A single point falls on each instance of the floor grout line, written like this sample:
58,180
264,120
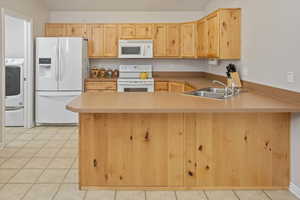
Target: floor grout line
267,194
237,196
205,194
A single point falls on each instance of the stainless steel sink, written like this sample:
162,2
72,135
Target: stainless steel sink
215,93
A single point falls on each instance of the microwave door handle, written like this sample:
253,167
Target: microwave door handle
144,51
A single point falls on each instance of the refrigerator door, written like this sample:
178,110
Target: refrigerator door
71,64
51,108
47,52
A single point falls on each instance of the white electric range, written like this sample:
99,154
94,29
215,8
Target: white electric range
129,78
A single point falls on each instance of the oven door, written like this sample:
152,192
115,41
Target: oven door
135,88
129,50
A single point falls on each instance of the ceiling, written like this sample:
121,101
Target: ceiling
126,5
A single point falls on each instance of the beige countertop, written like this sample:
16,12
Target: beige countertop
165,102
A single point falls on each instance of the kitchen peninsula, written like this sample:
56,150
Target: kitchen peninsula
168,140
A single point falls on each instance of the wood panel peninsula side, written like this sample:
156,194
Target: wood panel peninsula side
173,141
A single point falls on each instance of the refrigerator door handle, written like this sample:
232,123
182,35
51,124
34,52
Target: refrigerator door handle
57,61
60,60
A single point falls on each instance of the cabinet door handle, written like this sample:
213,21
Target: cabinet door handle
95,163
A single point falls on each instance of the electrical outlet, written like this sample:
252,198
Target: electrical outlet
245,72
290,77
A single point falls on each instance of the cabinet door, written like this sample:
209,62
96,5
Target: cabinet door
127,31
110,40
76,30
173,40
188,40
55,30
160,40
161,86
202,39
230,37
95,40
213,35
176,87
143,31
188,88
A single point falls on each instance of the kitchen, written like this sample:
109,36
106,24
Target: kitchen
179,135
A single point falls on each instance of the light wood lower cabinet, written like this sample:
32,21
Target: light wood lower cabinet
176,87
160,86
171,86
184,151
100,86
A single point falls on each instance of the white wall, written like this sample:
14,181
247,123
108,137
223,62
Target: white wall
270,49
30,8
123,17
270,41
14,37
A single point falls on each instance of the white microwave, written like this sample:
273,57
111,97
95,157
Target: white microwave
135,48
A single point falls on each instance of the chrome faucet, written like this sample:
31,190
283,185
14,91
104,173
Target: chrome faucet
226,89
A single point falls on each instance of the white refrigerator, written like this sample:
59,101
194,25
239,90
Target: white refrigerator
61,65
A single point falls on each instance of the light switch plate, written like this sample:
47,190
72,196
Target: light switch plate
290,77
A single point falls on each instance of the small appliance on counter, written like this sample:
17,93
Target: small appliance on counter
135,78
233,77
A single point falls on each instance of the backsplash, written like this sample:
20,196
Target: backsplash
179,65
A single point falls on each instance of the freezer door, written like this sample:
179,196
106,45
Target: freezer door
51,108
47,52
71,67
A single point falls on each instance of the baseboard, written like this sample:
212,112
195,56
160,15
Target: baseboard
295,190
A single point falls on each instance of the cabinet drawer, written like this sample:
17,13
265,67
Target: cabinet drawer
101,86
161,85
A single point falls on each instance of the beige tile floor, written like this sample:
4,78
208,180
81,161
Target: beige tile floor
42,164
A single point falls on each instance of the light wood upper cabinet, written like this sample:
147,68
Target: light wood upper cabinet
126,31
160,33
216,36
173,40
76,30
95,33
166,40
103,40
189,40
110,40
55,30
230,33
213,35
202,38
136,31
224,34
144,31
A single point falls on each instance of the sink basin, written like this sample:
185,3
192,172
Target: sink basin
215,93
